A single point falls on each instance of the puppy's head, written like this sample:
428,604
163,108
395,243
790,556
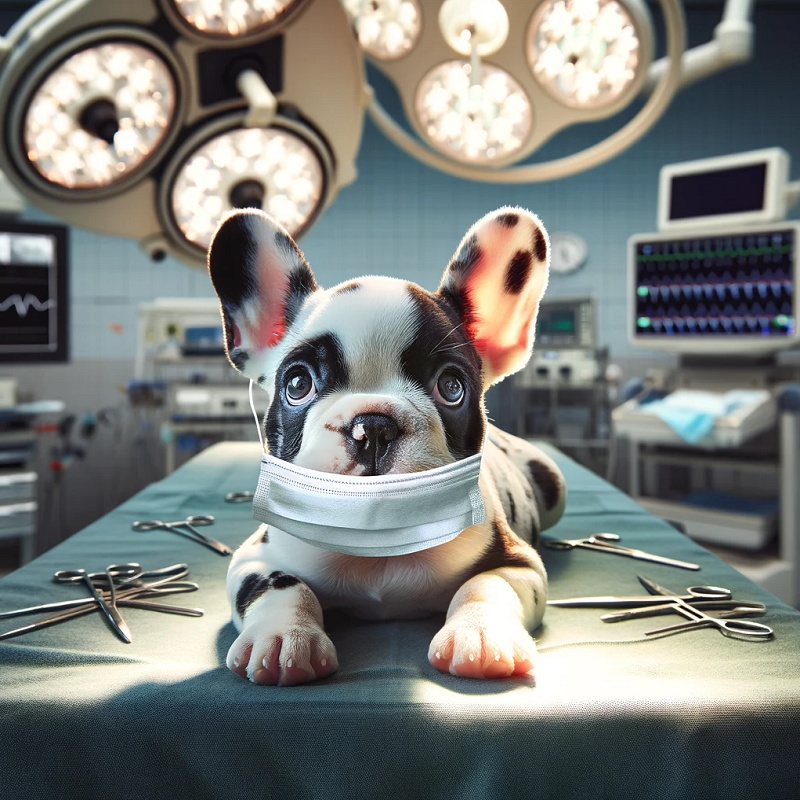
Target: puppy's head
377,375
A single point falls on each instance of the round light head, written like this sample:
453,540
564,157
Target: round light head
99,115
478,121
231,18
386,29
273,168
585,53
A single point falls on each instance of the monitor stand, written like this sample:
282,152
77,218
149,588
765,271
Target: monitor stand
721,373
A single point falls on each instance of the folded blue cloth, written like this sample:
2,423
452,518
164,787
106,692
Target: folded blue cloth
692,414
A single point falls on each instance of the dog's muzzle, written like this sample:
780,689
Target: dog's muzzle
381,515
369,515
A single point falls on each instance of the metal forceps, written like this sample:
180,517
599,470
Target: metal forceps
607,543
189,524
138,584
145,584
109,609
699,619
690,607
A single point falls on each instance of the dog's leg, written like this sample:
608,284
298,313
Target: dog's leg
281,639
527,467
486,632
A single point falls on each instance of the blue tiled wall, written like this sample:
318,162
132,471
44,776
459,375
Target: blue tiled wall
401,218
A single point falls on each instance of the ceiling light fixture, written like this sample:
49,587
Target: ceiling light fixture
584,52
475,113
152,119
386,29
283,169
232,18
574,61
96,114
89,125
152,128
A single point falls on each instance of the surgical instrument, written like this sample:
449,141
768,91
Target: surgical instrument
165,584
662,601
239,497
697,619
110,610
188,523
606,543
703,597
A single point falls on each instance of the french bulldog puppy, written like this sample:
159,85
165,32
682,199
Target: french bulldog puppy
379,376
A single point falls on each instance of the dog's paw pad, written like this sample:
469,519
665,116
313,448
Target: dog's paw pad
297,655
482,646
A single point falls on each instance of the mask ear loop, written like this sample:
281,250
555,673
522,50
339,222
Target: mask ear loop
255,416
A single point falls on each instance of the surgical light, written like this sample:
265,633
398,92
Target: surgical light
584,52
230,18
113,113
386,29
99,115
275,168
477,118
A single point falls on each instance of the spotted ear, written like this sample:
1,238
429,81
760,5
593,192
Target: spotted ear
261,279
495,281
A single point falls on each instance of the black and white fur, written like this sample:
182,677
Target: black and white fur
379,376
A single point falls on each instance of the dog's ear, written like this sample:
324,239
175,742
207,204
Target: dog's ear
261,279
495,281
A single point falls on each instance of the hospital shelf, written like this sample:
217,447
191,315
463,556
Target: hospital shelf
714,526
18,488
774,563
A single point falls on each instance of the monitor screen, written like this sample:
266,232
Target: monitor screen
555,325
734,190
33,292
721,286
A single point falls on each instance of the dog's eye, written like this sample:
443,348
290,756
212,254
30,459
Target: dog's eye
449,389
300,388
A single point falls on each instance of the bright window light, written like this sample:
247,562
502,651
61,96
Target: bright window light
584,52
475,121
268,168
99,115
386,29
231,17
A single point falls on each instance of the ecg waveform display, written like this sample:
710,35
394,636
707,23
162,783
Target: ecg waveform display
32,293
725,286
23,305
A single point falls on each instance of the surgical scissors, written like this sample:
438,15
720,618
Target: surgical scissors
694,594
662,601
606,543
135,577
658,601
110,610
166,583
188,523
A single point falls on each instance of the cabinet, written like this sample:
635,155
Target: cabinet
747,454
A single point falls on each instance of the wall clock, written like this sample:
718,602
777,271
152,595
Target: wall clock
568,252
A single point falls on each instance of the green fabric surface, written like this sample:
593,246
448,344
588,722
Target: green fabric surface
609,715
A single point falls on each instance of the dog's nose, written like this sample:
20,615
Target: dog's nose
373,435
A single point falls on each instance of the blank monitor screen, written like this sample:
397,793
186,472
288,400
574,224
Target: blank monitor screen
726,191
730,286
33,292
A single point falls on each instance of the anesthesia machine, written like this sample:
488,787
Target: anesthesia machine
714,445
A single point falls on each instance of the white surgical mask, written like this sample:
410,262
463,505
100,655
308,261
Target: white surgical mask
374,515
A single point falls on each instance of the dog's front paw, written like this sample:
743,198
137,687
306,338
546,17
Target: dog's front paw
481,642
299,654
